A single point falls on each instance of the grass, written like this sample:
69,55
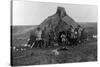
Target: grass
80,53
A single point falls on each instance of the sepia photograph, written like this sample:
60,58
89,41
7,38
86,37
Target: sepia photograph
53,33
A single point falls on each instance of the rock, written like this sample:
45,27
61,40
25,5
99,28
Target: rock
55,51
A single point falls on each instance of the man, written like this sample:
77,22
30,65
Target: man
32,39
76,36
71,32
70,35
79,31
84,35
39,41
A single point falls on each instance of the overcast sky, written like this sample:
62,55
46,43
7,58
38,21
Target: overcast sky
34,13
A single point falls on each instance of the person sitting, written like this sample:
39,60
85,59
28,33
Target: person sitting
63,38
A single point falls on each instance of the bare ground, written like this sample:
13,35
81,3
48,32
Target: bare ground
80,53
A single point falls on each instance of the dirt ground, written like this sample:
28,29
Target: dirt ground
36,56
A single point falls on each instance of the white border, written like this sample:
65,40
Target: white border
5,33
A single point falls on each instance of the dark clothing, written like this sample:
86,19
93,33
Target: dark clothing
39,43
32,39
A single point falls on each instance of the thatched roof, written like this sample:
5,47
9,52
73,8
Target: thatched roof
58,21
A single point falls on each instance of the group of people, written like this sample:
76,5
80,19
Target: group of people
72,36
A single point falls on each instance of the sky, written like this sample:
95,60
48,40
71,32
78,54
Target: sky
34,13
